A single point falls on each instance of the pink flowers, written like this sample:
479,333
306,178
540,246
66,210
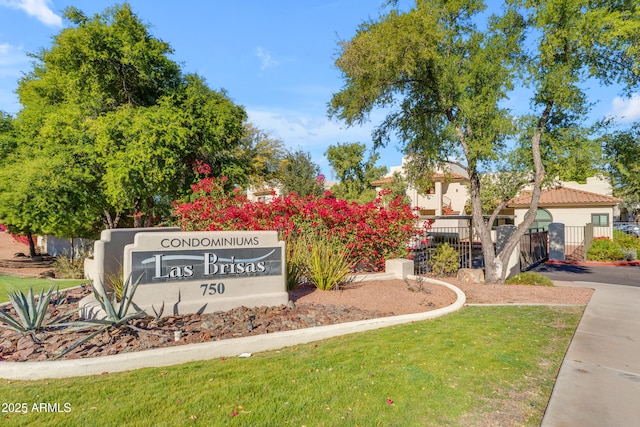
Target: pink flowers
374,231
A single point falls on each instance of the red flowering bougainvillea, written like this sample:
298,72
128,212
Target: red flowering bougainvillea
374,231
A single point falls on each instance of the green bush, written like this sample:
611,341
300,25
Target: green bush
627,242
445,262
605,249
67,267
529,278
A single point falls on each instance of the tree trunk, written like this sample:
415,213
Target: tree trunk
109,221
137,214
498,270
72,249
32,246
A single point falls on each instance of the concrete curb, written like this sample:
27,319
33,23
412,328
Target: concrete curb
211,350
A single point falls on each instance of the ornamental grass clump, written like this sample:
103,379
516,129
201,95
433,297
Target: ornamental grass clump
296,262
328,264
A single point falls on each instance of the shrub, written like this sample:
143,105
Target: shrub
70,268
604,249
529,278
296,262
445,262
626,241
328,264
116,313
373,231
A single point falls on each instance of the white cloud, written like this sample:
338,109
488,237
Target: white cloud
296,129
626,109
36,8
266,60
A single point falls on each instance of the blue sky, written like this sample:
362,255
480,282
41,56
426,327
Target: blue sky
275,58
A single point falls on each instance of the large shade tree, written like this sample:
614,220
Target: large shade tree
623,152
111,105
444,70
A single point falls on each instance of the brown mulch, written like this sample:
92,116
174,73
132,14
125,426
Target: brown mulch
147,333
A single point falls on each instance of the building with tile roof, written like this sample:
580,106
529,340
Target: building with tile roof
447,196
570,206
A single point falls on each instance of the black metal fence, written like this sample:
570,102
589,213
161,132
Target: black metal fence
534,248
460,238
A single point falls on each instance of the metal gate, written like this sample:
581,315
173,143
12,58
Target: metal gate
534,248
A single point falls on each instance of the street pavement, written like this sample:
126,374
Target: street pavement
599,381
615,275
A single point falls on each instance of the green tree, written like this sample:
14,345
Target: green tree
623,152
8,139
570,150
300,174
260,156
397,187
444,69
353,171
132,127
147,153
44,194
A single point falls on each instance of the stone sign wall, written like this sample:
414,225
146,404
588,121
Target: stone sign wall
203,272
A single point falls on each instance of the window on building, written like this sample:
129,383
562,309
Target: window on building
543,219
600,220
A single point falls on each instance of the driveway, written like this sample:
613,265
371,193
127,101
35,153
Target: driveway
616,275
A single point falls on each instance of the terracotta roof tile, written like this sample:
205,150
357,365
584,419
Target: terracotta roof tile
563,196
264,192
436,177
382,181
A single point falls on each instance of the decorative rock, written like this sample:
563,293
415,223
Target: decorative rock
47,274
471,275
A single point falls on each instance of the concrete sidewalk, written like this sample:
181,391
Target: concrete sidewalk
599,380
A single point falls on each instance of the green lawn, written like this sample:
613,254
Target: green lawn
479,366
10,283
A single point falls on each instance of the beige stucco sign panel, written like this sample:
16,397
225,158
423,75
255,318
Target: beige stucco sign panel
203,272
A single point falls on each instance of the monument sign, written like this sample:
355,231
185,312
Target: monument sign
203,272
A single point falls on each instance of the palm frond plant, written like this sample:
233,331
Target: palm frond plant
31,313
116,312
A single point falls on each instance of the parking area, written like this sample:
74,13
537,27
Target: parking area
628,275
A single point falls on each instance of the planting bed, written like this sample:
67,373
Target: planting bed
356,301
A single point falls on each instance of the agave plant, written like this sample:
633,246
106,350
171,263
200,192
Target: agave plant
31,312
116,313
